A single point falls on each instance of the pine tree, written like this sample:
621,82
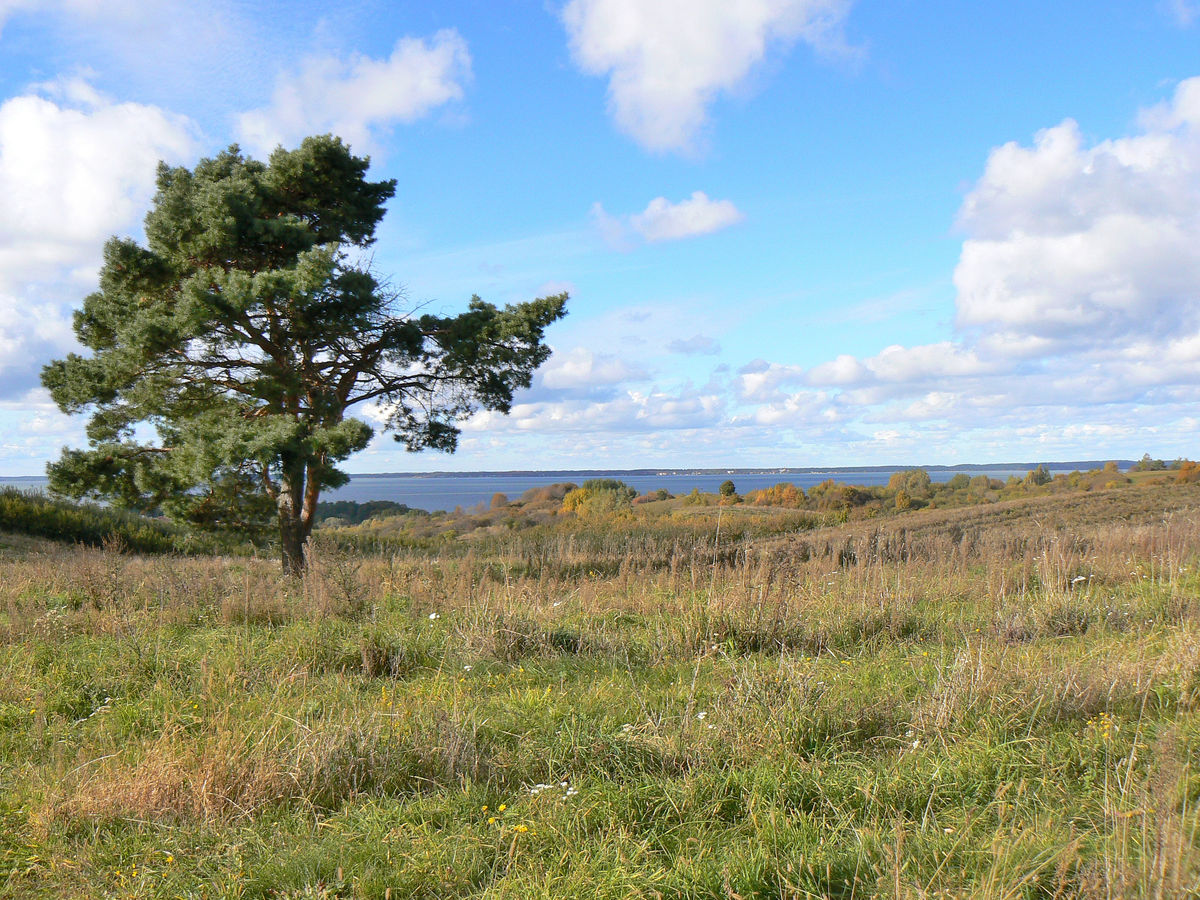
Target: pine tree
227,352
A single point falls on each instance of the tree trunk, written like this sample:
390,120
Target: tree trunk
291,543
292,530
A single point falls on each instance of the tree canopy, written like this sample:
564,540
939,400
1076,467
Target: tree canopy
228,350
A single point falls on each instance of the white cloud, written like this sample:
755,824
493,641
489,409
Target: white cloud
761,381
580,368
663,220
800,409
72,173
1079,246
1078,303
353,97
630,412
845,370
897,364
668,60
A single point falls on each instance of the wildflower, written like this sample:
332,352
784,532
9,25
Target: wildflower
701,714
467,668
433,616
491,820
503,807
483,808
522,828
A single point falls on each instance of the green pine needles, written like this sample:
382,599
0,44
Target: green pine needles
227,353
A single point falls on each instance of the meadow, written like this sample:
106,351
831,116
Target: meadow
995,699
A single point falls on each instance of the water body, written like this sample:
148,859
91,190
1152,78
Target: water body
448,490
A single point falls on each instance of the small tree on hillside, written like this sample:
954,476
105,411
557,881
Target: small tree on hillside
247,329
1038,477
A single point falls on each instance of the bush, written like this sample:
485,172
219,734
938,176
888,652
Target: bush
37,515
354,513
783,494
599,496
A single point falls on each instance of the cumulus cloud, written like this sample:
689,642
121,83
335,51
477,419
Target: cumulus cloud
761,381
631,411
901,365
353,97
75,167
1078,301
663,220
800,409
1080,262
1075,245
581,368
667,61
33,430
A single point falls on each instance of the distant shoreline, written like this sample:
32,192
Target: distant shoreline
1081,465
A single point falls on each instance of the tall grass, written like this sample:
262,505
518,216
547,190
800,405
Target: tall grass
985,702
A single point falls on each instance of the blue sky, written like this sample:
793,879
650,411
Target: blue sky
795,232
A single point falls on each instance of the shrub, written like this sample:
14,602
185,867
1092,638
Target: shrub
84,523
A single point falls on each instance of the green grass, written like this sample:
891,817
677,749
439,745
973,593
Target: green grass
814,715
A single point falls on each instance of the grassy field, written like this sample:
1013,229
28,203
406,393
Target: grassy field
992,701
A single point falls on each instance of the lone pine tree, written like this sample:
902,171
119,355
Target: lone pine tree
227,352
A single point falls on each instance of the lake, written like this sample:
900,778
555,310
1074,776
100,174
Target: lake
447,490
